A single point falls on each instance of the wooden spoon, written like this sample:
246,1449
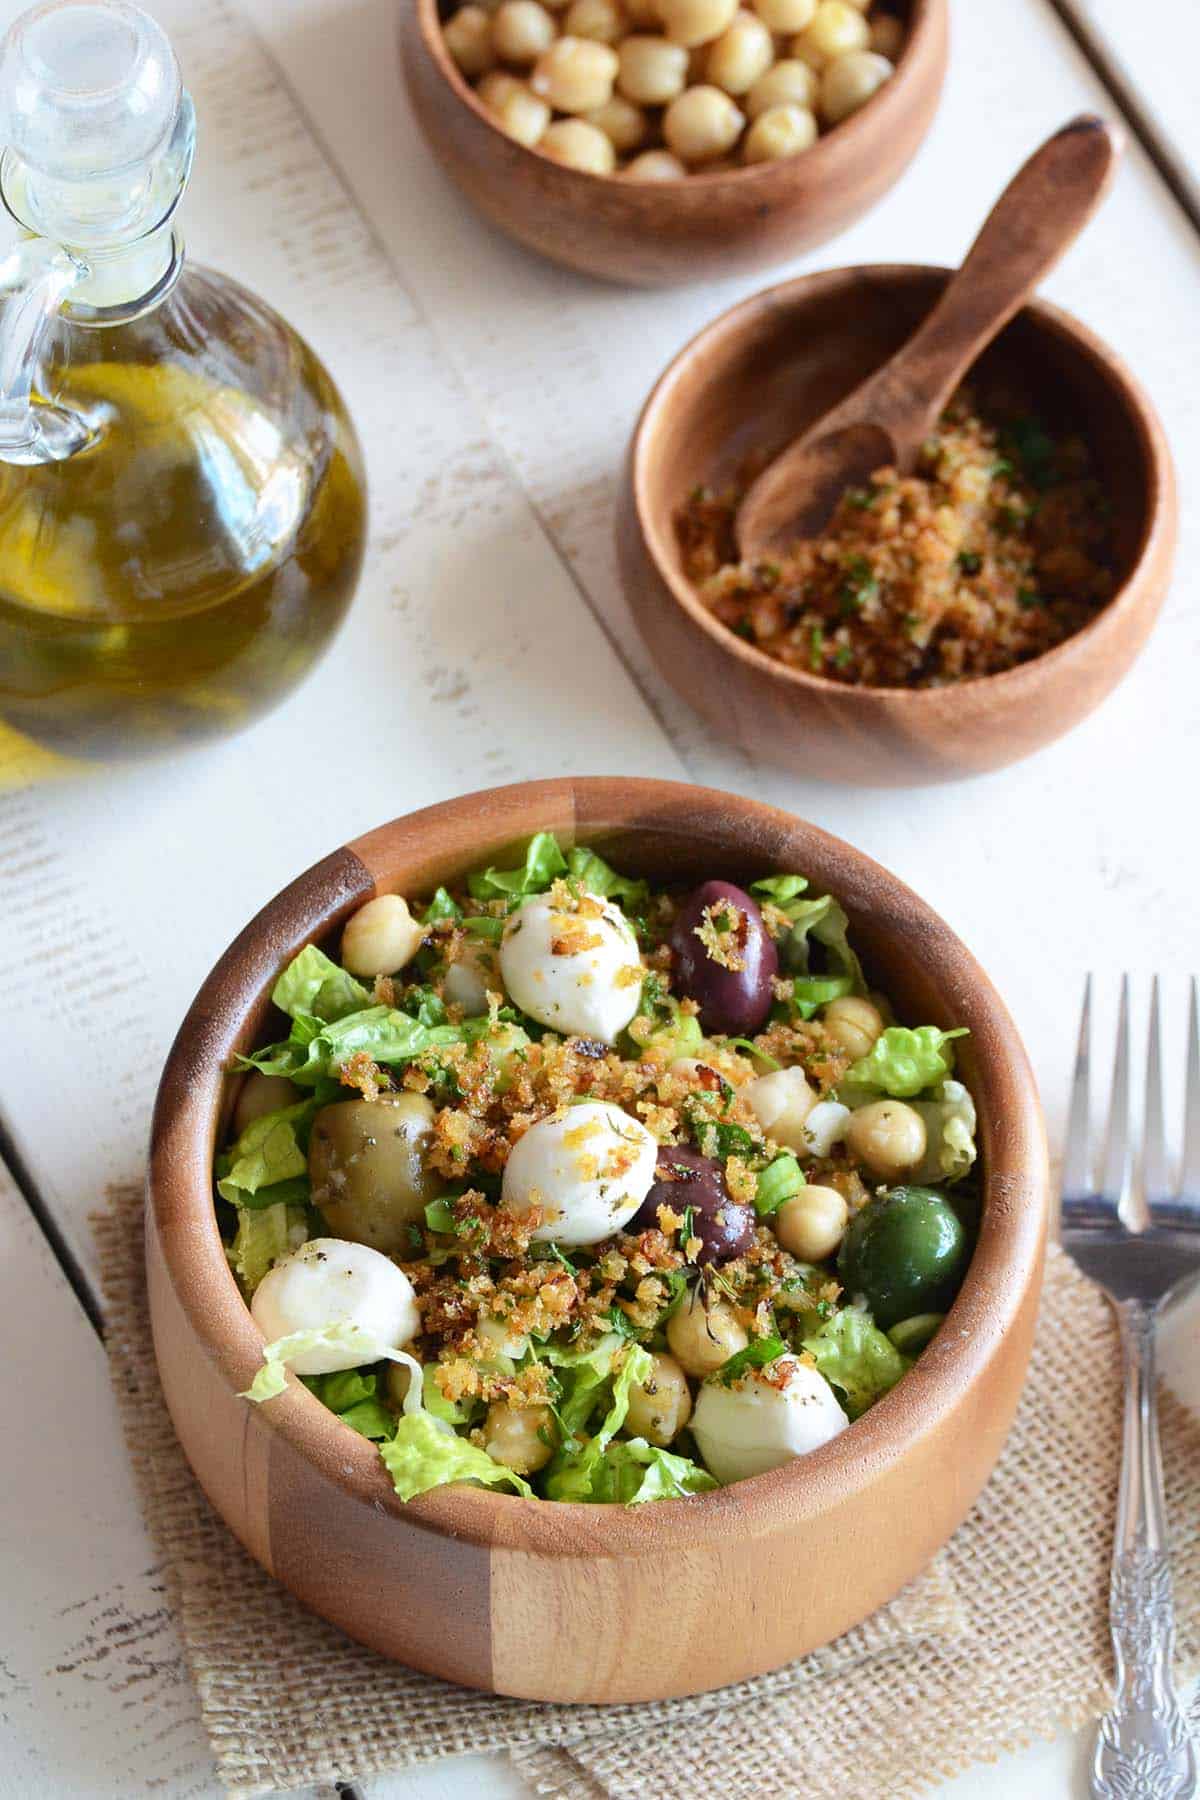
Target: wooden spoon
887,418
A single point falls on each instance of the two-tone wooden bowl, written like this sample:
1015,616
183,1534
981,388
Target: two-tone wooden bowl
664,233
751,381
572,1602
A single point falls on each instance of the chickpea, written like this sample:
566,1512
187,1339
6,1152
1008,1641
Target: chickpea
853,1024
579,146
602,20
741,54
520,1437
524,118
469,40
259,1095
655,165
887,1138
789,83
522,30
812,1223
702,1339
850,81
694,22
623,124
887,36
380,937
575,76
367,1166
642,14
494,89
782,1100
836,29
701,124
660,1406
780,131
785,15
651,72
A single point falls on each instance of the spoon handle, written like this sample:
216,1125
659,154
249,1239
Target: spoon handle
1040,213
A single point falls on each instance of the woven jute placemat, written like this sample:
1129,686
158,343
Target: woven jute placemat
1005,1636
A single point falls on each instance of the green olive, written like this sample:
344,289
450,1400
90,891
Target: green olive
906,1252
367,1161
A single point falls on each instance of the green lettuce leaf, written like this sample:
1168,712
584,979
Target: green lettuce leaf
632,1472
451,1412
598,877
823,922
353,1395
855,1357
264,1234
313,984
426,1454
781,1180
573,1471
316,1051
901,1063
441,907
269,1164
780,890
271,1379
544,863
949,1134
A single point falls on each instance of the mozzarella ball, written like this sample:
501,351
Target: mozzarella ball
836,29
853,1024
850,81
825,1126
765,1419
623,124
651,71
703,1339
789,83
381,937
660,1406
655,165
588,1168
812,1223
469,40
701,124
522,30
575,75
602,20
887,1138
694,22
473,973
785,15
259,1095
887,36
578,972
517,110
782,1102
520,1437
743,52
781,131
331,1282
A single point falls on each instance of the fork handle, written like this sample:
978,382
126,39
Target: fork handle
1144,1746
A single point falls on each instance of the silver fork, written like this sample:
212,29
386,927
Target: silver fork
1139,1239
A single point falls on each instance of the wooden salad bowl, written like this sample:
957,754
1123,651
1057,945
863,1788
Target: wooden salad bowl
574,1602
663,234
751,381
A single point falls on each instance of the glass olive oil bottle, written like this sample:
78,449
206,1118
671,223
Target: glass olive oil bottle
182,506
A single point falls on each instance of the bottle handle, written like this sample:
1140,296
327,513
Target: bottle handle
36,276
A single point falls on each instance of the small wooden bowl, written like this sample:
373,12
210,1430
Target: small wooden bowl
751,381
663,234
595,1603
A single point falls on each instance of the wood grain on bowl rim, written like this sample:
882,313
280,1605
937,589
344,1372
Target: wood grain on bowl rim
703,225
575,1602
876,735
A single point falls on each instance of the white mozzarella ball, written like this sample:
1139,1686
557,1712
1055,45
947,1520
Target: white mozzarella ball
765,1419
587,1167
330,1281
782,1102
573,971
825,1126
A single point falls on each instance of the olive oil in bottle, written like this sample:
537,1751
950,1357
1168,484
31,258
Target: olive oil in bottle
182,508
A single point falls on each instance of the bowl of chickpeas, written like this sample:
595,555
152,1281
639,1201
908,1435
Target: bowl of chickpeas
655,142
438,1568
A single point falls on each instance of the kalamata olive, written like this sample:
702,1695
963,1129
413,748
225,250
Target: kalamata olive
723,958
685,1178
906,1252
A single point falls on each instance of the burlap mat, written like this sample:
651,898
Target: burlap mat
1004,1638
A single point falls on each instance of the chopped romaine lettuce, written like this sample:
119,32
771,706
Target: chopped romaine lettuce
441,907
270,1151
544,863
855,1357
313,984
573,1470
758,1354
453,1412
949,1134
264,1234
632,1472
823,921
426,1454
353,1395
780,890
594,874
781,1180
271,1379
901,1063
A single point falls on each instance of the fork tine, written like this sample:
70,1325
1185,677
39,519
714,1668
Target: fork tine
1189,1176
1156,1178
1077,1161
1114,1179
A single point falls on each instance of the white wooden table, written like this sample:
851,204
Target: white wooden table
490,642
